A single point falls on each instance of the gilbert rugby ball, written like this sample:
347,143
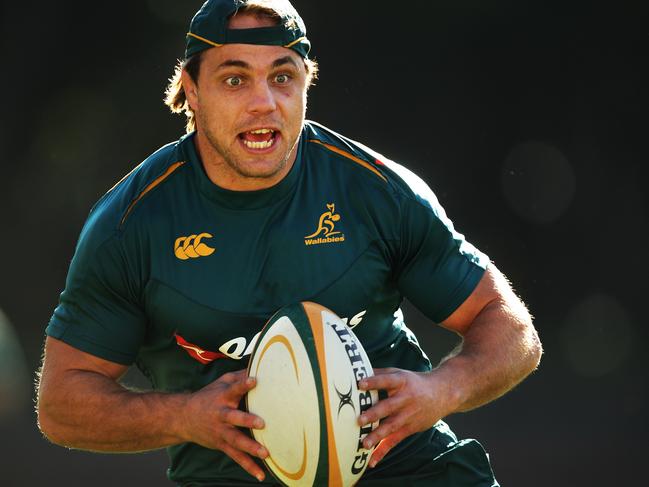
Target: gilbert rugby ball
307,363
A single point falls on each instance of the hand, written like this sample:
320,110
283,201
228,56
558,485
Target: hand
212,417
411,407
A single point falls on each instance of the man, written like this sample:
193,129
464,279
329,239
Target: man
180,264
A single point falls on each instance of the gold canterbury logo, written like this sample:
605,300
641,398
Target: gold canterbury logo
326,231
191,247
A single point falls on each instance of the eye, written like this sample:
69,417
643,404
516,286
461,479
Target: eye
233,81
282,78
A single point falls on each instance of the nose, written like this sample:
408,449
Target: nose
262,99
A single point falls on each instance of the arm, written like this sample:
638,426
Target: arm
81,405
500,348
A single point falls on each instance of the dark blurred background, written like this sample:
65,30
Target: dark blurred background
527,118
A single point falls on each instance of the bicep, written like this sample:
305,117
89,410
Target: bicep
100,310
70,382
493,287
437,268
60,358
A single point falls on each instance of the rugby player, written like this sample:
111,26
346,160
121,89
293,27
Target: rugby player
180,264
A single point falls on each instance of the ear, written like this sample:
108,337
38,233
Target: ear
191,90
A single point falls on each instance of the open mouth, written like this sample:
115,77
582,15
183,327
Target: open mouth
258,139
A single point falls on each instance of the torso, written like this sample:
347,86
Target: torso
199,269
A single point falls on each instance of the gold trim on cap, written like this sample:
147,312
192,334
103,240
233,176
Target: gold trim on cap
296,41
207,41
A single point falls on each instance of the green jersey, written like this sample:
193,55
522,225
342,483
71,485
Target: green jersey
178,275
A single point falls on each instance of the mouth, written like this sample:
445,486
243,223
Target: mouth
261,139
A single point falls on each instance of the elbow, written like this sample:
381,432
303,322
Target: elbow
525,336
45,423
46,428
534,348
46,418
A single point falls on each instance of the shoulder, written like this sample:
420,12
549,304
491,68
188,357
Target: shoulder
356,158
108,217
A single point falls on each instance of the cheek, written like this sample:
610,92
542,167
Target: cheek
295,103
210,106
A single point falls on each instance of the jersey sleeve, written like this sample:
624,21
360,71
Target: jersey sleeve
438,268
99,311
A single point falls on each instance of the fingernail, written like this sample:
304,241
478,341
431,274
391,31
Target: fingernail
260,478
362,420
262,452
373,463
362,384
259,424
368,444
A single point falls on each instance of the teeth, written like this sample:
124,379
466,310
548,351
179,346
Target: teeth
258,145
261,131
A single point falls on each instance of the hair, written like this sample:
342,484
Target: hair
175,97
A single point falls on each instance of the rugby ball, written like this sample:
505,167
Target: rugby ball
307,363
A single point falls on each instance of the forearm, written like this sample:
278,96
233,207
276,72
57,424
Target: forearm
81,405
498,351
92,412
500,348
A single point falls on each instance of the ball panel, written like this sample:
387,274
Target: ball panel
314,315
286,394
348,364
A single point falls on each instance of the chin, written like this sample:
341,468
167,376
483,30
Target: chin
260,172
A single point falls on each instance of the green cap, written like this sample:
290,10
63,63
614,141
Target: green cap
209,29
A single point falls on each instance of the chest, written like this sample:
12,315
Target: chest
216,276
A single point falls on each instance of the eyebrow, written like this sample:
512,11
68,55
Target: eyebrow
284,60
242,64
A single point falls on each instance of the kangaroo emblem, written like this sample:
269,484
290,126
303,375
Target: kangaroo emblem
326,224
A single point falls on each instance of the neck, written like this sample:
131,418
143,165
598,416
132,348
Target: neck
221,173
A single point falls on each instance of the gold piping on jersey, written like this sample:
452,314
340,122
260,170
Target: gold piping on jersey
152,185
121,180
357,160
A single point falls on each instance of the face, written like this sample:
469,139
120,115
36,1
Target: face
250,104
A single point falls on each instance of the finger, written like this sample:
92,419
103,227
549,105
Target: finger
385,370
233,377
244,460
385,429
237,389
385,446
387,381
237,417
382,409
236,439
